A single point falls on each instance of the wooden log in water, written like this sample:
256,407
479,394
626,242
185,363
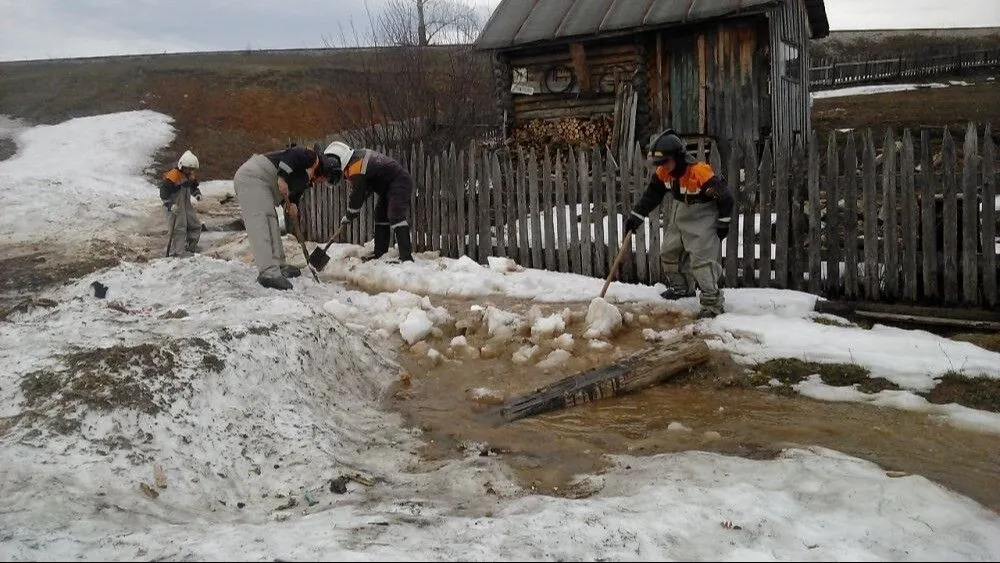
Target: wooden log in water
627,375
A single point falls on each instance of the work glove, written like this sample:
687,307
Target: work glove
722,228
350,217
633,222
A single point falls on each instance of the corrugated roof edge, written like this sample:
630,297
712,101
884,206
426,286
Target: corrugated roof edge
507,46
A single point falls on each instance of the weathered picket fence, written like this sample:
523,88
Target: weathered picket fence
911,220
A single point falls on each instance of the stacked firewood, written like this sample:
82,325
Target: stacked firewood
576,132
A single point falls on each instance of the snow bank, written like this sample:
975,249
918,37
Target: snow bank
242,395
51,188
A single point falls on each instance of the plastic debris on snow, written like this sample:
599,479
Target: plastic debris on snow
603,319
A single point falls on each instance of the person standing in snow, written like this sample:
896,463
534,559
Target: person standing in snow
262,184
177,188
369,172
691,253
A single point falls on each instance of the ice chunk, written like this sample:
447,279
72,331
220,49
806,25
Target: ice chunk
416,327
500,322
459,341
500,264
603,319
677,427
547,326
465,264
564,341
525,354
599,344
555,358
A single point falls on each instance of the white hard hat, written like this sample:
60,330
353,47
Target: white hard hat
340,150
188,160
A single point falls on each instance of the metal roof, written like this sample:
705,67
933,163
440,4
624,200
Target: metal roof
517,23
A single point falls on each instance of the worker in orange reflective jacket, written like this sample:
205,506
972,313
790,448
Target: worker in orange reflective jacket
369,172
178,186
691,253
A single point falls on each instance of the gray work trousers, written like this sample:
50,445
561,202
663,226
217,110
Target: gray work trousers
255,183
691,253
186,227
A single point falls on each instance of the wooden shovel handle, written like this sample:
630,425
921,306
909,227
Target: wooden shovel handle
616,263
335,236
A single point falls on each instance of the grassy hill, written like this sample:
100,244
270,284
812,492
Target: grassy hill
226,105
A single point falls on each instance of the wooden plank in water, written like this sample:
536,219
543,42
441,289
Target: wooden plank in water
627,375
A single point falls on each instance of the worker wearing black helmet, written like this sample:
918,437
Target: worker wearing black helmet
691,253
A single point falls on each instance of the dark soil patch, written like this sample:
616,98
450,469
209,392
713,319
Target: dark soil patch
8,148
986,340
790,371
106,378
980,393
143,378
38,270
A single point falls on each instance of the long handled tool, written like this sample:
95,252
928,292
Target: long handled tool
302,243
616,263
319,258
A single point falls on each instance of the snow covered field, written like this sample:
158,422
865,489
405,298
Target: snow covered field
246,403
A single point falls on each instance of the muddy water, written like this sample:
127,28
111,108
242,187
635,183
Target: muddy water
455,402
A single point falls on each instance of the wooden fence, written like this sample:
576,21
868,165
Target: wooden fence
830,74
908,219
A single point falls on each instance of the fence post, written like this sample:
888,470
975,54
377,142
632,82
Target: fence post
970,217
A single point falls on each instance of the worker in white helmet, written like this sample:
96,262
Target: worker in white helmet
371,172
179,185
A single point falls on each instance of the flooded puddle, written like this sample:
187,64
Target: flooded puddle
456,402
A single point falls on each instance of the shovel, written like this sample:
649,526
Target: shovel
302,243
616,263
319,258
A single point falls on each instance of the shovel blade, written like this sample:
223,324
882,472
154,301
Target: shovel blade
318,259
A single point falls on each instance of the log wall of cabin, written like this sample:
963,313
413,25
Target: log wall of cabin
604,63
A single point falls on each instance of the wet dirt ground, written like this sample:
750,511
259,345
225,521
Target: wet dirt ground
456,402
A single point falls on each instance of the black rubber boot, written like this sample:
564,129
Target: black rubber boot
291,271
274,282
672,294
383,232
404,243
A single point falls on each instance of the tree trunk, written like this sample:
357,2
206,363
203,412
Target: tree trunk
421,25
629,374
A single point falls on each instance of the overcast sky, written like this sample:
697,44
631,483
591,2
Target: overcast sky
41,29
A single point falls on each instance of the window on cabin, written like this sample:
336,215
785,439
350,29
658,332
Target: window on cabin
790,61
